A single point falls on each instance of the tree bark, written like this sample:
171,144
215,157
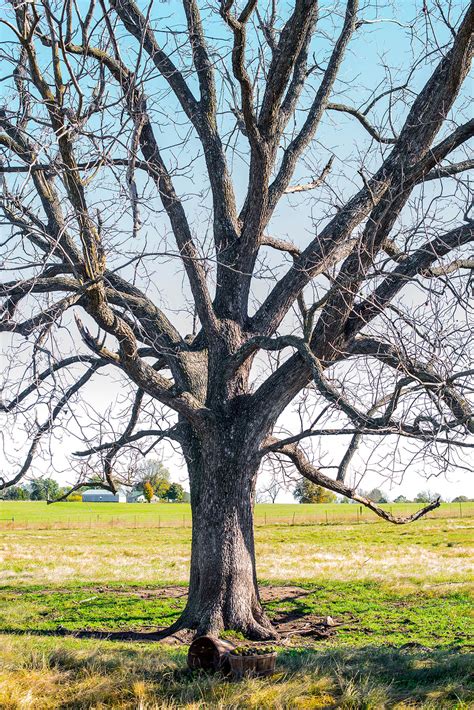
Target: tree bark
223,591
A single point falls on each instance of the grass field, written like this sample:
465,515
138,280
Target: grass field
73,515
401,595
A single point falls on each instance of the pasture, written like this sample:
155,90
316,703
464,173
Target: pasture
401,595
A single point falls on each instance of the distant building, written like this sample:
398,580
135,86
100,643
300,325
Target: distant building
135,497
138,497
99,495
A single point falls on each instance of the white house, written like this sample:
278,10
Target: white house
99,495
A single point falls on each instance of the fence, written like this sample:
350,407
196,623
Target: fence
342,515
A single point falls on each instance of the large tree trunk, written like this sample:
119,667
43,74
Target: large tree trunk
223,591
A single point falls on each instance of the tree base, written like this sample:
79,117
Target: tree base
254,629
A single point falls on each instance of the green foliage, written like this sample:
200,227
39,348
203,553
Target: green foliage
156,475
426,497
308,492
161,487
175,493
401,499
377,496
461,499
15,493
74,498
148,491
44,489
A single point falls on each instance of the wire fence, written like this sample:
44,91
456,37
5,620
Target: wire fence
347,515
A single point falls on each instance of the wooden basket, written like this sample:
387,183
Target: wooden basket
210,654
253,666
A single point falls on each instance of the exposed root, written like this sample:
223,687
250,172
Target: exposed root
257,632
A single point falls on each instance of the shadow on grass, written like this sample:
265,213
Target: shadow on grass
374,677
144,636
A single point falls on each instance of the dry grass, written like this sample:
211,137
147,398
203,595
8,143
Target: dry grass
428,549
50,675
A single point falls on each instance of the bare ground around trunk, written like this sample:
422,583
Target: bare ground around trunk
288,624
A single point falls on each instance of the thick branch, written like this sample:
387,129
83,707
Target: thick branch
302,140
303,465
420,261
398,174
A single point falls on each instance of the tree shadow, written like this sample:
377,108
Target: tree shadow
351,676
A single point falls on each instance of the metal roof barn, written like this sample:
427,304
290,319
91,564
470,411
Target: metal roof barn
98,495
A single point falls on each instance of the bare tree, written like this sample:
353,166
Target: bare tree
148,155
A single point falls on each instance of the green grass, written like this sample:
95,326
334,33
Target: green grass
388,586
370,612
39,513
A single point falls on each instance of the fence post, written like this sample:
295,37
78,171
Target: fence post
460,509
327,517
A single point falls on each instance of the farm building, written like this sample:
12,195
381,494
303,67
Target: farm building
99,495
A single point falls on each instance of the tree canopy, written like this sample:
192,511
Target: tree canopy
308,492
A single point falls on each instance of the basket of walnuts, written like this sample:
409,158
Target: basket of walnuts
252,662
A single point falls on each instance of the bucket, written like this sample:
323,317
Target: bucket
210,654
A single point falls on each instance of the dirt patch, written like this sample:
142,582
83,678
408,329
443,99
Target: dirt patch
291,625
267,594
283,594
171,592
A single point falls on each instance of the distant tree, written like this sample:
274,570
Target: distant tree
44,489
269,493
16,493
377,496
148,491
308,492
175,493
161,488
401,499
156,474
461,499
426,497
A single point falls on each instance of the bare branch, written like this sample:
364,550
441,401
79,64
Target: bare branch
313,474
342,108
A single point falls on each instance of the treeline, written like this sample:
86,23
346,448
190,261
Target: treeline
38,489
308,492
150,482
